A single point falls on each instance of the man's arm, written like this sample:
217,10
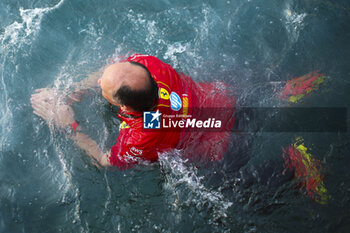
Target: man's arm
91,148
62,116
89,82
79,88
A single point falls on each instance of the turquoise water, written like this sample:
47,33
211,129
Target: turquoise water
49,185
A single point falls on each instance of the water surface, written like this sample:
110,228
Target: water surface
49,185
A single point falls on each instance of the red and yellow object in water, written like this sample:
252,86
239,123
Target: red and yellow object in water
297,88
307,170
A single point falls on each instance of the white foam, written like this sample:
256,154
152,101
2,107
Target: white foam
15,35
181,173
21,32
294,23
5,115
174,49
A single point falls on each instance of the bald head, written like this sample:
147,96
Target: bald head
127,84
126,73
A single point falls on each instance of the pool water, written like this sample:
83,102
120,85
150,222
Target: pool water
50,185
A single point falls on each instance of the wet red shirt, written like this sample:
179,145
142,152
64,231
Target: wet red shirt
178,94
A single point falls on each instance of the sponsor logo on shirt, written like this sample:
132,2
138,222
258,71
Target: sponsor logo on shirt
124,125
136,151
128,158
185,105
175,101
163,94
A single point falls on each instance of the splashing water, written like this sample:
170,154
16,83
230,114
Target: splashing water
180,173
50,185
12,39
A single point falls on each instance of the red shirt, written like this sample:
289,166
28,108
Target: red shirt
178,94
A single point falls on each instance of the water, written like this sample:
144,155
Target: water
49,185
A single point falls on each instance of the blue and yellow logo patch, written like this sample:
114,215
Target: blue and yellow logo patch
163,94
124,125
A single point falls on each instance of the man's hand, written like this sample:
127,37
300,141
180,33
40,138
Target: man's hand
48,95
53,95
52,110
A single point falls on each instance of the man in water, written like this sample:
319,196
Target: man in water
144,83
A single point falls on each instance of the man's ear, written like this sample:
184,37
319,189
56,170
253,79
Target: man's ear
125,108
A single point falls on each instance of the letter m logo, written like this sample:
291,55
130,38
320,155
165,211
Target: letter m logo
151,120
